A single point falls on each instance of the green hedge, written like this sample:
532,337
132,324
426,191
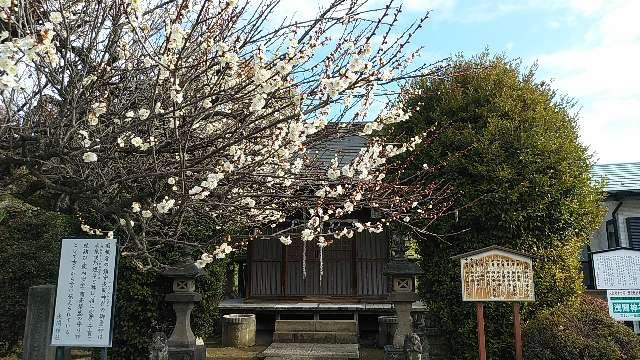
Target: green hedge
29,250
582,331
29,253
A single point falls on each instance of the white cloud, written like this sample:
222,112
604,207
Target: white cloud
602,73
439,6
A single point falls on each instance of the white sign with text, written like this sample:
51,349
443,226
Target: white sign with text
84,297
617,269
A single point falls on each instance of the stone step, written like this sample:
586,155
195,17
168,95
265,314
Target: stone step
315,337
277,351
346,326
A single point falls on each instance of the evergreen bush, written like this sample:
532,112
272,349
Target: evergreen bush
508,146
582,330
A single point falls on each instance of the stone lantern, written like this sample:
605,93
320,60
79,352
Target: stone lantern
182,342
401,275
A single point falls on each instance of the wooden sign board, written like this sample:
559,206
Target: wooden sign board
496,275
617,269
84,295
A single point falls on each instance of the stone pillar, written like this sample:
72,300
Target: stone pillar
386,330
39,321
182,335
182,342
405,323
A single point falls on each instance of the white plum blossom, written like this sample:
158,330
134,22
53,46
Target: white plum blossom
333,173
248,202
89,157
165,205
199,111
143,113
137,141
55,17
307,235
222,250
258,102
348,206
285,240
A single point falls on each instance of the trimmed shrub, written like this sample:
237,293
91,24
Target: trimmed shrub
579,331
508,146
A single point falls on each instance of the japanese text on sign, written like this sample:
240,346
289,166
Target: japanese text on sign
617,269
497,275
84,293
624,304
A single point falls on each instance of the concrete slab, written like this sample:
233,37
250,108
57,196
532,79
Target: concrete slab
311,351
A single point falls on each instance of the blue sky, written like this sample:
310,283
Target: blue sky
590,49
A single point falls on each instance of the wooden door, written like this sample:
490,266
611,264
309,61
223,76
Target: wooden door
337,274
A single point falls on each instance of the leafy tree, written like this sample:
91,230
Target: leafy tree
139,116
508,146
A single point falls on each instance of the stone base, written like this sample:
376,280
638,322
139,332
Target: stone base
393,353
198,353
311,351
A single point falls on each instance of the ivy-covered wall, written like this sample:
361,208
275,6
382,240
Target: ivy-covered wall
29,253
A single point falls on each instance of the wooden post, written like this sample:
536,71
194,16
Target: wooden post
480,320
517,330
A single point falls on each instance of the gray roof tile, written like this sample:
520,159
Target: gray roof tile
624,177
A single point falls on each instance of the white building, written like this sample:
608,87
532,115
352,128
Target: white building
621,227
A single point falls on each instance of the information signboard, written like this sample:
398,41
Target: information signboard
617,269
496,275
84,300
624,305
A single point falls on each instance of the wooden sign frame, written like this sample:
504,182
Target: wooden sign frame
496,274
508,275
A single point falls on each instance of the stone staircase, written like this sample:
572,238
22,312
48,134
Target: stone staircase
316,331
314,340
